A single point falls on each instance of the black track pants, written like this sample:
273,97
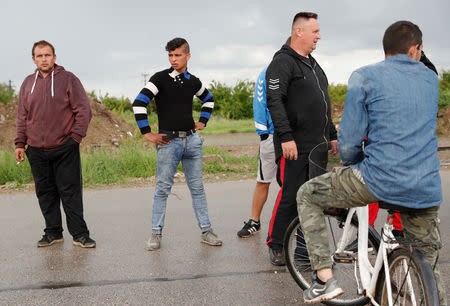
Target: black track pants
57,177
291,174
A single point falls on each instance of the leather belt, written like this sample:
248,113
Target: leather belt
175,134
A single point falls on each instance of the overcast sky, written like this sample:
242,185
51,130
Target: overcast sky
110,44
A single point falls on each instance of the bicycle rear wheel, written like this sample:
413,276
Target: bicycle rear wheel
299,267
422,290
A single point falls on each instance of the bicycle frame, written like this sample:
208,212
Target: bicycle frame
368,273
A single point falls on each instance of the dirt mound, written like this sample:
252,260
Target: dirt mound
105,129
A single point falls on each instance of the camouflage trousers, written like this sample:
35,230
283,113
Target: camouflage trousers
341,188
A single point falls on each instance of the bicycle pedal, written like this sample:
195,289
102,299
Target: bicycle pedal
343,257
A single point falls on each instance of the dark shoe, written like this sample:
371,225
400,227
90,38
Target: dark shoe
320,293
250,228
48,240
352,247
84,242
398,234
277,257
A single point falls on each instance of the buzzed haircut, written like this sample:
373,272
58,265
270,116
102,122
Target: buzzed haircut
42,43
400,36
177,43
303,15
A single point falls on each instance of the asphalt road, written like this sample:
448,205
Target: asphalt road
119,271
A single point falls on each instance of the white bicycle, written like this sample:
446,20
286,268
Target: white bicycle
381,270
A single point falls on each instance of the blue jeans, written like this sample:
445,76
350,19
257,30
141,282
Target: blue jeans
189,151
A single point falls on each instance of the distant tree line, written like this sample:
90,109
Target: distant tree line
232,102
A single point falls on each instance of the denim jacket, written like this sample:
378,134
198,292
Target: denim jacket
394,103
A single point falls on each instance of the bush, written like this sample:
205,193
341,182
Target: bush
444,89
6,93
337,93
231,102
119,105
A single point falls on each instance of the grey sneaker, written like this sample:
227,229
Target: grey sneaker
209,237
320,293
154,242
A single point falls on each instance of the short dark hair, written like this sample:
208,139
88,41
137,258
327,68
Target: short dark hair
305,15
400,36
177,43
42,43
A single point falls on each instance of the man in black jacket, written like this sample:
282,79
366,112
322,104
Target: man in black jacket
297,98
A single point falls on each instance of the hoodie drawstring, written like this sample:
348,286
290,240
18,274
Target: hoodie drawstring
34,84
35,78
52,83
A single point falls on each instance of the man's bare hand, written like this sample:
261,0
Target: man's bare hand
157,138
289,150
20,154
199,126
334,148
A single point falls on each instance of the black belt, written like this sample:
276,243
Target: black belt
175,134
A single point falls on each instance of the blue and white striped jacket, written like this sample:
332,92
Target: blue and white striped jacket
261,115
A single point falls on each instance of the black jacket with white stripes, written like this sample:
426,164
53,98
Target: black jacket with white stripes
173,93
297,98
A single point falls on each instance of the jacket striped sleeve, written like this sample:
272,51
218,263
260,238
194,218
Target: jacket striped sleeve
207,103
140,105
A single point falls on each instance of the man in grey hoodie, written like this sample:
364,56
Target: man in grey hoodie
53,115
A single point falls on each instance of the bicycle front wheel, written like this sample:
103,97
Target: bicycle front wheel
344,272
412,280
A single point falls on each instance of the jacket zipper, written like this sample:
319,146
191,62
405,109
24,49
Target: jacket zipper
324,101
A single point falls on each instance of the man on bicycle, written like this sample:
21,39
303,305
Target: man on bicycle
393,102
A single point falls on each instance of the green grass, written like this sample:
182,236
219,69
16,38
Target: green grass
216,125
13,173
104,166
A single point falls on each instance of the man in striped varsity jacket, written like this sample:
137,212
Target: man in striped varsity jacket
176,141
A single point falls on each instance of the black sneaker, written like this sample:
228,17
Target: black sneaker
49,240
317,293
84,242
398,234
277,257
250,228
352,247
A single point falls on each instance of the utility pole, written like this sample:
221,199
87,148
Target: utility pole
145,76
10,85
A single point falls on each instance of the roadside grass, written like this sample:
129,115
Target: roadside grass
216,125
105,166
12,173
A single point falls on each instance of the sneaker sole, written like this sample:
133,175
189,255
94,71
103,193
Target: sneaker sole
151,249
49,244
251,234
211,243
326,297
83,245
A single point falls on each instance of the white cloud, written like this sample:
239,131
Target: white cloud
339,67
124,56
237,55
